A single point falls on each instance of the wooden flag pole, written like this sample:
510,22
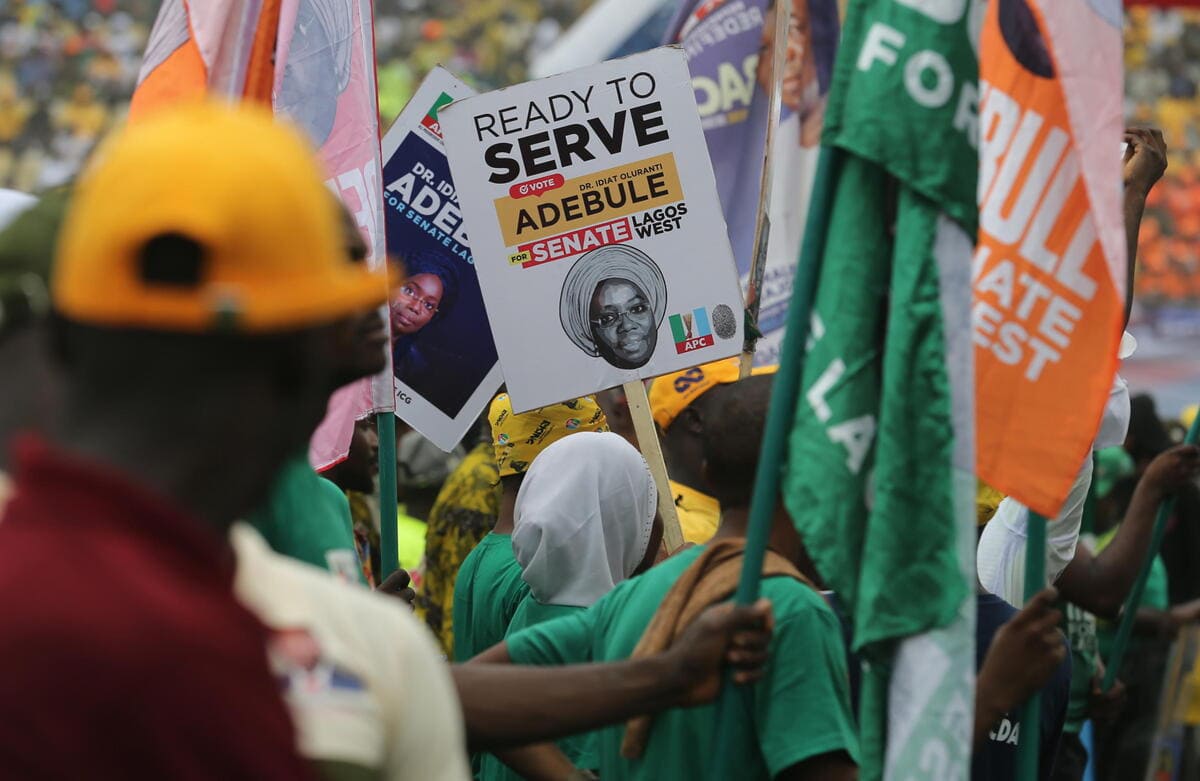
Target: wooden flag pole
733,706
1134,600
647,436
762,225
389,547
1031,711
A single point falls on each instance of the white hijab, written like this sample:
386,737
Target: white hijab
583,518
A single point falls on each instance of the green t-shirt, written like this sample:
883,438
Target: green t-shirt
307,517
580,749
801,705
487,591
1080,629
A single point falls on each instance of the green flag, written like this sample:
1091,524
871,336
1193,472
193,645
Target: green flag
880,466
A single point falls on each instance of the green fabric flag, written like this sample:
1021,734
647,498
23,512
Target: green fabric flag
880,467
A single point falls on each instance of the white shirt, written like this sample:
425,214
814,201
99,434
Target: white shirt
364,680
1000,557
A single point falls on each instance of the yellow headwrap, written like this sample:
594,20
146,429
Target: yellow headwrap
517,439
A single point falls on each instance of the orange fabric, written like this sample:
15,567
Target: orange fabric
1047,315
260,72
180,77
711,578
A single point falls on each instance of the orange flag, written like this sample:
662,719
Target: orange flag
1049,270
200,48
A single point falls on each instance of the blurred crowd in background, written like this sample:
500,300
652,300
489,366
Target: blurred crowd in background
68,67
1162,89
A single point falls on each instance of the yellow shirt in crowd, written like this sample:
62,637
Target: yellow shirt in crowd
698,513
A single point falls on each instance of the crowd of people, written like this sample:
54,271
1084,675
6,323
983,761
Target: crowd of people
185,596
225,576
67,70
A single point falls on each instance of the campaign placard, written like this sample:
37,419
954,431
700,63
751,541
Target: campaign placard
596,226
443,356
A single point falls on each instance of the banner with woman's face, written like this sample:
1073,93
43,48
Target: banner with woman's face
443,357
595,226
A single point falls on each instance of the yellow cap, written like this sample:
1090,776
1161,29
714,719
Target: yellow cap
517,439
671,394
246,190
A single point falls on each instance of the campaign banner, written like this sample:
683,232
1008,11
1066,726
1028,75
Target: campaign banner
596,227
729,45
443,358
207,48
1049,268
325,83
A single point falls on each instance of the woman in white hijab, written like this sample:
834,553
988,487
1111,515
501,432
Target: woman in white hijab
586,519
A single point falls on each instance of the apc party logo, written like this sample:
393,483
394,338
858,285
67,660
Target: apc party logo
430,120
694,330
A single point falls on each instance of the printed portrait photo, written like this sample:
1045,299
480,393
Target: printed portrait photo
613,300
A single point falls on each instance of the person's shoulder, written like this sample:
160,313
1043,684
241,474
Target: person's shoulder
646,591
791,597
283,592
329,492
496,556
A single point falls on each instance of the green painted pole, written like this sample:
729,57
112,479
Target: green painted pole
389,554
1031,711
733,705
1134,600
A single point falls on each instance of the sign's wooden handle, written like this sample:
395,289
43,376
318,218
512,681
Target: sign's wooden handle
647,435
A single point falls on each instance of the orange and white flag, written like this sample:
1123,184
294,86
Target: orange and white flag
227,48
1049,269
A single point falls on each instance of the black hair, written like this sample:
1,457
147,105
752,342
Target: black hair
1148,436
733,417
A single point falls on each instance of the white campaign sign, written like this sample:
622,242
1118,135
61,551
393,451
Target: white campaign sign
596,228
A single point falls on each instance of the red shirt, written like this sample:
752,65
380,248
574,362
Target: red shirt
123,653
